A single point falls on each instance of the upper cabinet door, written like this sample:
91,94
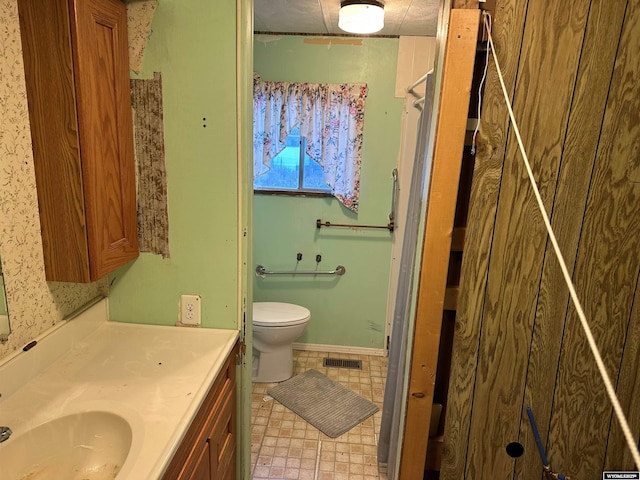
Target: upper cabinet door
77,77
106,133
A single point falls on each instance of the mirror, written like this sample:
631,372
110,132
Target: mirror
5,328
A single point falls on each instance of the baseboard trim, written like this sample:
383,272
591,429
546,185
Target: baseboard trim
314,347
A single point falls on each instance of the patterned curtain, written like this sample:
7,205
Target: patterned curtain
331,119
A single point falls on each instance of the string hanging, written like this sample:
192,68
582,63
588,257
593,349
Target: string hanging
486,27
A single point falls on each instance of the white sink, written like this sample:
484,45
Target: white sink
117,397
83,446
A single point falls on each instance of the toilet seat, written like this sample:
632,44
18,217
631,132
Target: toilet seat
276,314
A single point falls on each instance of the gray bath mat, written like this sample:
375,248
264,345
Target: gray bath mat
330,407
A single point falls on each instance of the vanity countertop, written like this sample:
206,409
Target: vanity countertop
155,377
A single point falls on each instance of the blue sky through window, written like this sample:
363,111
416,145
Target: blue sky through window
285,169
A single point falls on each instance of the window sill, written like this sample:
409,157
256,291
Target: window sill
293,193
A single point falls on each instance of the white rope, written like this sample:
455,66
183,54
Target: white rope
487,27
565,272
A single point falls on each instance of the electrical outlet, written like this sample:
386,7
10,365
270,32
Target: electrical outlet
190,309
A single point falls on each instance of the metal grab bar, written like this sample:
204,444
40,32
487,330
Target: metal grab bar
319,224
262,272
392,215
394,197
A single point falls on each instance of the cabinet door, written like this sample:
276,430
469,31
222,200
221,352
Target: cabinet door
223,440
101,66
202,470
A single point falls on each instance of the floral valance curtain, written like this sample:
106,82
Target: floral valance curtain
331,119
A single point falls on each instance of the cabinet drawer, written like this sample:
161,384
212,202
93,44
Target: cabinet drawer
202,470
222,440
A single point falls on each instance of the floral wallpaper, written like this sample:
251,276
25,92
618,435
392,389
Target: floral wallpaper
34,304
151,174
139,16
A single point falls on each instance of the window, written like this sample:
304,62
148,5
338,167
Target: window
293,170
330,117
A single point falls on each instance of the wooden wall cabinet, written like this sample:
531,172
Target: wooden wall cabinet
77,79
208,449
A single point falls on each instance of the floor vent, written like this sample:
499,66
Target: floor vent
342,363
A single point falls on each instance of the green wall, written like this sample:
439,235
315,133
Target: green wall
193,45
348,310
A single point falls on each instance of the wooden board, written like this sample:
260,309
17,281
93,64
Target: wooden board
478,238
519,243
590,95
517,342
618,456
606,272
447,159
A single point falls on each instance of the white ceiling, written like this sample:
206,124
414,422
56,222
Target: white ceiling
401,17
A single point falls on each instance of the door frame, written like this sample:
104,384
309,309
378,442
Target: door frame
455,69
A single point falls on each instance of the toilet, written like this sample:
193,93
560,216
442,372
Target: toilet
275,327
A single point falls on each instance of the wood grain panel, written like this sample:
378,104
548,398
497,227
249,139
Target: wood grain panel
606,270
447,159
107,135
607,264
472,4
587,112
552,38
618,456
509,24
54,133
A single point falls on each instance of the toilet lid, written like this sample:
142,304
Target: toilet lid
275,314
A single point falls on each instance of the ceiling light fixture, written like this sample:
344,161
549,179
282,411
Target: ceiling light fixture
361,16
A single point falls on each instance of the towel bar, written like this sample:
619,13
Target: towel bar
319,224
261,271
392,215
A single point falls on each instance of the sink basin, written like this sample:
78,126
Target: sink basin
83,446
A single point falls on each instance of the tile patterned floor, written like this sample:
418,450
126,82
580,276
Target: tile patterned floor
284,446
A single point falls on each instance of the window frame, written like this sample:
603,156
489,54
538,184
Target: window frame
300,190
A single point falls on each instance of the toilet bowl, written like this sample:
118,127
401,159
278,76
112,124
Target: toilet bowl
275,327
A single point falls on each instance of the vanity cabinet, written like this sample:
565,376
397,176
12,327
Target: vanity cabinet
77,78
208,449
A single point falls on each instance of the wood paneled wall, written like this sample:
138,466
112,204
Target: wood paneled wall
573,71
